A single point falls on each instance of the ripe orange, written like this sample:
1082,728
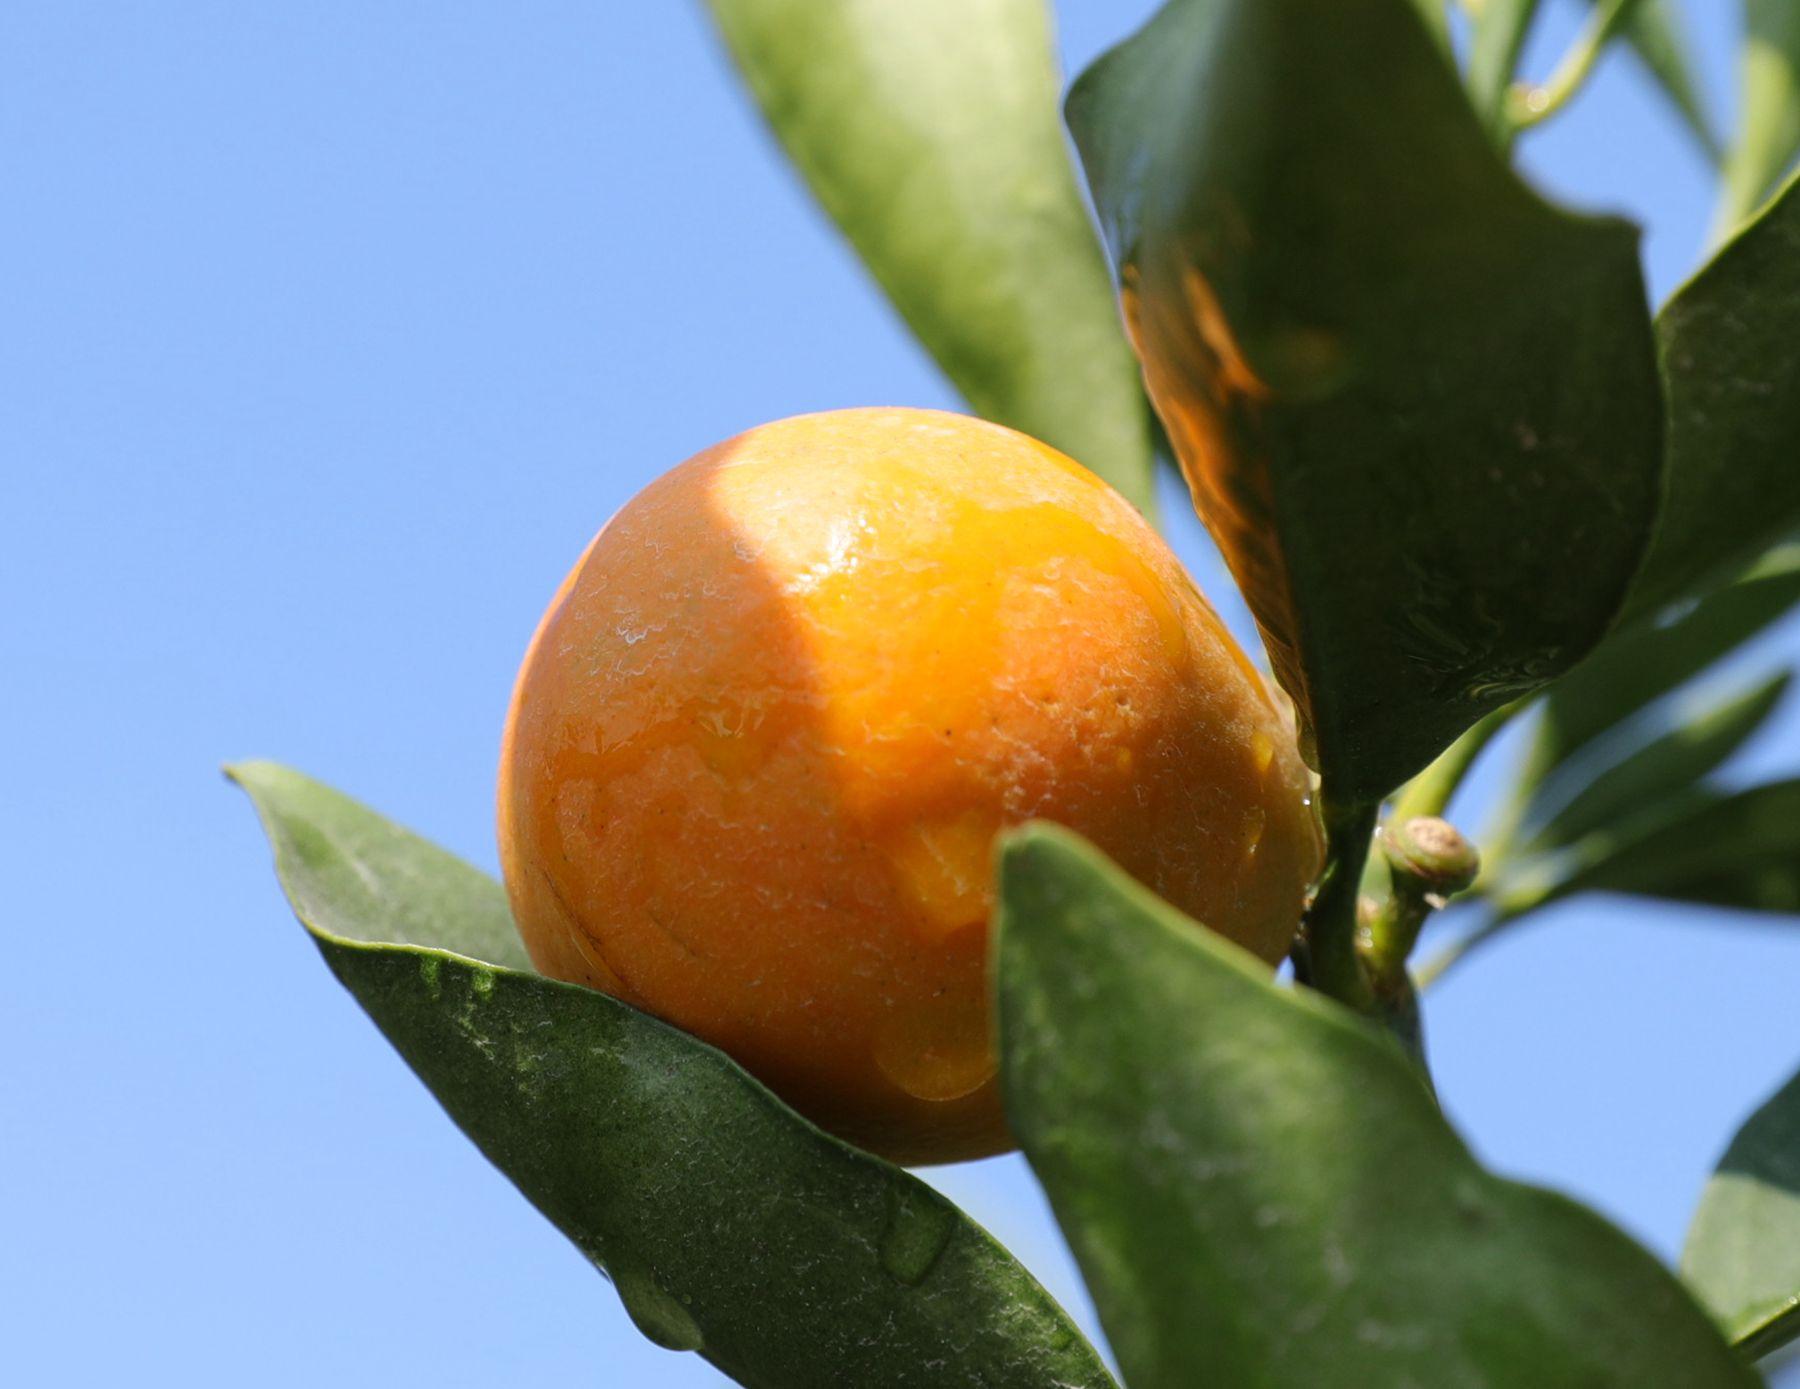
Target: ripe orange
767,731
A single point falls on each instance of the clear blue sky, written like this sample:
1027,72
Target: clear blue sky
329,332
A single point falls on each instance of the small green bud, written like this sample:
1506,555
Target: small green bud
1431,854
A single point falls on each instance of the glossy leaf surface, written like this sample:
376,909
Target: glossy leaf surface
1743,1249
930,132
728,1224
1417,405
1261,1191
1730,352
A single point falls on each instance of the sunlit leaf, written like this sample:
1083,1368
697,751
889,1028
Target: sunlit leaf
1261,1191
1743,1249
728,1224
929,130
1417,405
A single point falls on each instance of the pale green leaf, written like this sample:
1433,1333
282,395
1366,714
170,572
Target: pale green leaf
1743,1249
930,132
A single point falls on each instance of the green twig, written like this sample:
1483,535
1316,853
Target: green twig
1397,1006
1429,862
1333,964
1527,105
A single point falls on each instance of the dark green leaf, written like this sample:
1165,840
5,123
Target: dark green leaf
1663,769
728,1224
929,131
1497,35
1769,136
1418,406
1656,32
1649,660
1743,1250
1730,347
1740,850
1261,1191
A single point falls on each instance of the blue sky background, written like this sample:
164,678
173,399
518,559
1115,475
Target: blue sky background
329,333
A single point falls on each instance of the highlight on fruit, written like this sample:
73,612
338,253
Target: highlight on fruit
879,791
767,733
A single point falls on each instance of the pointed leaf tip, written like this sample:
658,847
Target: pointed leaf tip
728,1224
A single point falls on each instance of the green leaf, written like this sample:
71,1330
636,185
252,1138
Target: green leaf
929,131
1730,349
1649,660
1417,405
1261,1191
1661,771
1769,138
348,871
1436,14
1656,32
728,1224
1740,851
1497,34
1743,1249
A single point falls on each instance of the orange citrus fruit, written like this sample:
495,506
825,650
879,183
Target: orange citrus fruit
769,728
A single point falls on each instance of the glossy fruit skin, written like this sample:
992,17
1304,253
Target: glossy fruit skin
770,725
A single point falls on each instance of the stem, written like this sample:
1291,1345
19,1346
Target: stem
1430,792
1393,931
1429,862
1397,1005
1528,105
1336,968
